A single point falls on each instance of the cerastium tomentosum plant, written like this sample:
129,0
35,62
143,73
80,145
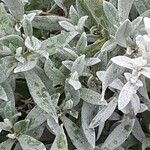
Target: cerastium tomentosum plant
74,74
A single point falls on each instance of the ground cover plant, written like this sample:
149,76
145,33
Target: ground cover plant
74,74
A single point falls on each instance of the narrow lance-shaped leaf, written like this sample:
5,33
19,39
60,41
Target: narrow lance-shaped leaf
126,95
27,65
100,129
10,95
68,26
87,114
41,73
75,94
135,102
27,26
119,135
49,23
60,142
73,14
111,13
104,114
53,125
138,132
8,110
40,93
82,43
123,33
92,61
81,23
6,25
76,135
79,65
124,8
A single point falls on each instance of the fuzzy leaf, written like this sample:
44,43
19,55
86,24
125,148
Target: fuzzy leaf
8,110
87,114
60,142
119,135
16,8
73,14
111,13
135,102
82,43
7,145
78,65
36,117
15,40
67,26
27,65
40,93
49,23
104,113
21,127
112,72
138,132
123,33
57,77
91,97
53,125
29,143
10,95
124,8
76,135
3,95
126,95
140,6
92,61
123,61
27,26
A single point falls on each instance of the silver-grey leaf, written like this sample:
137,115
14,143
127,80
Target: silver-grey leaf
40,93
60,142
76,135
16,7
104,113
87,114
119,135
91,97
29,143
123,33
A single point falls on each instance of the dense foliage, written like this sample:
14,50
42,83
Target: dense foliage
74,74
